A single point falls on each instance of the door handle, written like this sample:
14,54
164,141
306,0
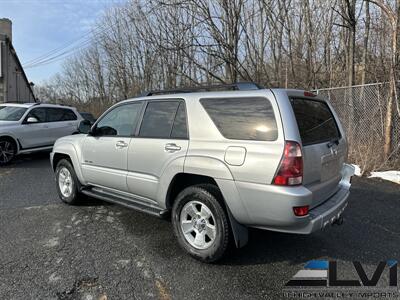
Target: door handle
172,147
121,144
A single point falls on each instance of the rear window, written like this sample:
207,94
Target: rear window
243,118
315,121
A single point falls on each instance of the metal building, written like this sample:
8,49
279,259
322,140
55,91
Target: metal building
14,85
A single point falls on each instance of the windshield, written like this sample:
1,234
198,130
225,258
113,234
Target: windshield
11,113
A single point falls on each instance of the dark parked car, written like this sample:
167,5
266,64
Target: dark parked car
88,116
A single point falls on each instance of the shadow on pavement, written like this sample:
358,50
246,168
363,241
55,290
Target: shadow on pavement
370,233
30,160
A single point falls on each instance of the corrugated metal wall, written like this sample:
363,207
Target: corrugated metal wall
13,84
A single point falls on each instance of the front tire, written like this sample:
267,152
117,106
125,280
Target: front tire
8,149
67,182
200,222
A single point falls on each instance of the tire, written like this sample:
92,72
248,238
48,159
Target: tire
198,209
8,150
67,183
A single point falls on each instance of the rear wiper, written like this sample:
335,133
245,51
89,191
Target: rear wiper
332,142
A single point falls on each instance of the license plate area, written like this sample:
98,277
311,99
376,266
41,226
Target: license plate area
330,166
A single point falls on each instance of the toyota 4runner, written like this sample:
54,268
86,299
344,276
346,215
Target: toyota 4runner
219,159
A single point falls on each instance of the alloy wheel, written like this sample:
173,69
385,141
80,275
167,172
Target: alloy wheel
198,225
7,152
65,182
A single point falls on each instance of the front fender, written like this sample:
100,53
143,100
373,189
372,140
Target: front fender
69,149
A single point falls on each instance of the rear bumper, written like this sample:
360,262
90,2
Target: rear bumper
271,207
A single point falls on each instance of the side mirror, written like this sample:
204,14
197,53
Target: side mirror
32,120
85,127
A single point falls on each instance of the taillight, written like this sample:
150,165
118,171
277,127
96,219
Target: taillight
291,168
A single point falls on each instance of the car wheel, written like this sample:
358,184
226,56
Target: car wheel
8,149
201,223
67,182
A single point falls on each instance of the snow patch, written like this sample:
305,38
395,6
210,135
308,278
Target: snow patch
393,176
357,171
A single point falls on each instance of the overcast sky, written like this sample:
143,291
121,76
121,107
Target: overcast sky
40,26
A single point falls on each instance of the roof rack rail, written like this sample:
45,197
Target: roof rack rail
240,86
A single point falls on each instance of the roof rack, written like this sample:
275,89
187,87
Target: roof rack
239,86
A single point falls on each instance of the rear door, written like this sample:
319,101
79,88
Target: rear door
323,145
61,121
35,135
161,140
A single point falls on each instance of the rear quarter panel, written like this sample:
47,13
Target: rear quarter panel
260,160
207,153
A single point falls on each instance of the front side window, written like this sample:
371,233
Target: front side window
11,113
38,113
158,119
121,121
243,118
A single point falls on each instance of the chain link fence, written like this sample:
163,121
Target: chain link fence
362,111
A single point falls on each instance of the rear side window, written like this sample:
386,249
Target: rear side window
158,119
69,115
315,121
243,118
179,129
60,114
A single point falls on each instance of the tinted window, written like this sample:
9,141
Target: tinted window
60,114
88,116
179,129
11,113
158,119
69,115
38,113
315,121
243,118
120,121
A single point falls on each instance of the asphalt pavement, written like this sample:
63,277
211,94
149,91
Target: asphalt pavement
49,250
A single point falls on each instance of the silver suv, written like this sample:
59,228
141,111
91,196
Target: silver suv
218,161
33,127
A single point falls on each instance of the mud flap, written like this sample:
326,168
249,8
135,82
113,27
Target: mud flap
240,232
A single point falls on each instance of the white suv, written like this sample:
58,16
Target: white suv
33,127
219,162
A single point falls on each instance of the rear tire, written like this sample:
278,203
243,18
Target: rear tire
8,150
67,183
200,222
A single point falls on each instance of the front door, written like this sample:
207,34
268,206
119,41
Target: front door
162,143
37,134
105,150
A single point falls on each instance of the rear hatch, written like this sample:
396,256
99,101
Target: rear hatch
323,146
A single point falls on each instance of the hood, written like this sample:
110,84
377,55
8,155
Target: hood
72,139
8,123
